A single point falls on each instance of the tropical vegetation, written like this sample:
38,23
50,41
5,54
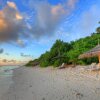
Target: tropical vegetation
64,52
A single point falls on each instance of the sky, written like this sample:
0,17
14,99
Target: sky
28,28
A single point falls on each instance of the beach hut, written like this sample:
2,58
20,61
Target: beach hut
92,53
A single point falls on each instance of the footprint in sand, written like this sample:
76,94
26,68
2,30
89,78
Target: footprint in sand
79,95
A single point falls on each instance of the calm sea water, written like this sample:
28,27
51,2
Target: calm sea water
6,73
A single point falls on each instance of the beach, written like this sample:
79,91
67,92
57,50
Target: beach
52,84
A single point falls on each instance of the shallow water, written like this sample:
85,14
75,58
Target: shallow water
6,73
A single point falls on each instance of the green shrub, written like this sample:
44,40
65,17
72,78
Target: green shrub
57,63
33,63
44,64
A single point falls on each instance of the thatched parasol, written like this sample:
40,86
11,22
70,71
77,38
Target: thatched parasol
91,53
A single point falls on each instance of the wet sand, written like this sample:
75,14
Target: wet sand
52,84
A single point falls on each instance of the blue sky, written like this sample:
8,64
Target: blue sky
30,27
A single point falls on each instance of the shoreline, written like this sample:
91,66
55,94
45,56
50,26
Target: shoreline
6,75
51,84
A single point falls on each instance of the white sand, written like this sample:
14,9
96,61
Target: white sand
4,85
52,84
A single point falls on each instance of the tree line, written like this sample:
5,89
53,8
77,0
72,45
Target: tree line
64,52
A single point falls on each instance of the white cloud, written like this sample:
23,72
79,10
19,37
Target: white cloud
47,17
11,23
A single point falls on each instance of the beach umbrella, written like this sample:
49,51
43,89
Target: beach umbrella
92,53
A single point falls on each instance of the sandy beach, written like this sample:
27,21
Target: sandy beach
52,84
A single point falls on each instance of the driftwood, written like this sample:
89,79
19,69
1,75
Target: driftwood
64,65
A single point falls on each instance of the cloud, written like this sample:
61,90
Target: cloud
11,23
4,60
21,43
71,3
8,61
1,51
12,61
11,4
16,28
24,55
48,17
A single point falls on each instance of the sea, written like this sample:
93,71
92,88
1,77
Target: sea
6,73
